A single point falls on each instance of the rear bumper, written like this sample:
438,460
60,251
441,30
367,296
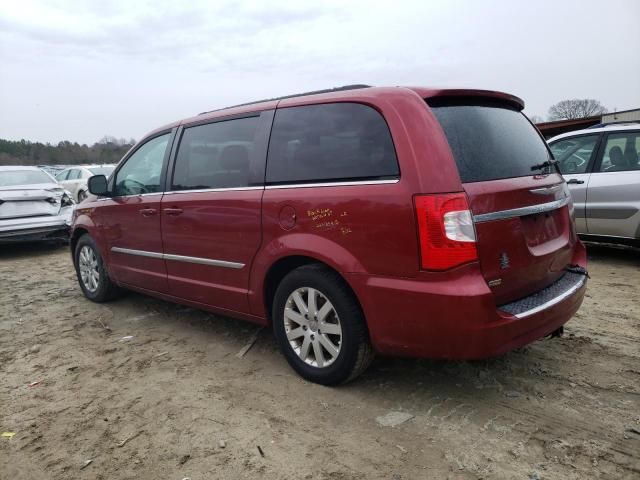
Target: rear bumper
36,228
456,317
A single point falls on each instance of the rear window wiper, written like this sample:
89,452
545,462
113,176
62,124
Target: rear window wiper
549,163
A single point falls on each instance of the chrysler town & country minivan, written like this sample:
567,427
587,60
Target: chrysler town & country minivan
404,221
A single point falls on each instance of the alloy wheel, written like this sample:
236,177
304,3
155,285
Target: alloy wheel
312,327
88,266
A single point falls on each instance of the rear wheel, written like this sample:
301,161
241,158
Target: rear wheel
92,276
320,327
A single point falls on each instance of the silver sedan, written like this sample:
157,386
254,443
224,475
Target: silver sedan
33,206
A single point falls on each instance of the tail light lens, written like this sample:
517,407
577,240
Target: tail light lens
447,234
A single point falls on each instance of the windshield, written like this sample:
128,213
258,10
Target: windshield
491,142
11,178
106,171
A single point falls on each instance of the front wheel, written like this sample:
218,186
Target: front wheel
92,275
320,327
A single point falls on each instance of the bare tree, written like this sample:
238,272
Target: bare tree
108,139
576,108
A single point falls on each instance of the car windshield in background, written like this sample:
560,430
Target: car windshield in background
491,142
106,171
12,178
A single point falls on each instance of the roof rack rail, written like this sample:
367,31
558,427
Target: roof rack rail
622,122
315,92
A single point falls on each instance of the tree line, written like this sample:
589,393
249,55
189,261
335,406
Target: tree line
24,152
572,109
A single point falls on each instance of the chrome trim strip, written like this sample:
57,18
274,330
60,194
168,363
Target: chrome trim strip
150,194
140,253
547,190
553,301
333,184
205,190
103,199
521,212
203,261
179,258
269,187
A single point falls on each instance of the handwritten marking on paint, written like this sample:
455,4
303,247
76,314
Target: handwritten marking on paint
328,224
319,213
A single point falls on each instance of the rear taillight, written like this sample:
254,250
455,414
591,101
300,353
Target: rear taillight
447,234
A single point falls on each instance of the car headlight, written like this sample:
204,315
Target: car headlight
67,199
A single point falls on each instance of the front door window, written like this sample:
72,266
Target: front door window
573,154
142,171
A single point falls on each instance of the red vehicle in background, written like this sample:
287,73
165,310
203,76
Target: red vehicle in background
405,221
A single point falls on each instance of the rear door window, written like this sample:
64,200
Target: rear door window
621,153
216,155
330,142
573,154
490,141
62,175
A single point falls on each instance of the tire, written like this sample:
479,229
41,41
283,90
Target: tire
82,195
300,338
99,288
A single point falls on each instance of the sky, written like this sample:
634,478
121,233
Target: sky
80,70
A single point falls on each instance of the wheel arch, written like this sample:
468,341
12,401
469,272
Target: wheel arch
75,236
285,265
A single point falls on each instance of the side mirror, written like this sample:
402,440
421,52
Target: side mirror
98,185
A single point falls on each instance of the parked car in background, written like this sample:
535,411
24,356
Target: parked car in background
602,168
33,206
406,221
75,178
52,170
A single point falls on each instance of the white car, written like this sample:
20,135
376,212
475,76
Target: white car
75,178
602,168
33,206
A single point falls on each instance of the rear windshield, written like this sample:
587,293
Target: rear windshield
13,178
490,142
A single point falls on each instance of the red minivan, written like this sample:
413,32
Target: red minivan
405,221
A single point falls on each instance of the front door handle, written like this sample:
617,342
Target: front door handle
173,211
575,181
147,212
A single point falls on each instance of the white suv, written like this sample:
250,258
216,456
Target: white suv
602,167
74,179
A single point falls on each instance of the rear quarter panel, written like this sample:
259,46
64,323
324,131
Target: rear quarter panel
368,229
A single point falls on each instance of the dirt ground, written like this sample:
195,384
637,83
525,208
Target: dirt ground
175,401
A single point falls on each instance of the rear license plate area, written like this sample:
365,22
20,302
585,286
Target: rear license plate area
541,228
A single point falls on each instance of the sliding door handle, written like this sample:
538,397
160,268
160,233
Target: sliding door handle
173,211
